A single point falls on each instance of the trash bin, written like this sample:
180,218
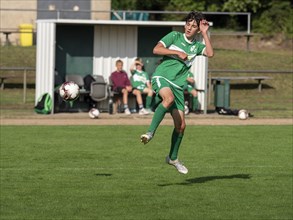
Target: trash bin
26,35
222,93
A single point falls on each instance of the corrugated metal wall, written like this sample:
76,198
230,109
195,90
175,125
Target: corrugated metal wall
200,71
45,59
112,42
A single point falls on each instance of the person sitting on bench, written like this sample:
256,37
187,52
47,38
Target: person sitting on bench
141,85
191,89
121,84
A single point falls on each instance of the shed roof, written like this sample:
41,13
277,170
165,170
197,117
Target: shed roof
113,22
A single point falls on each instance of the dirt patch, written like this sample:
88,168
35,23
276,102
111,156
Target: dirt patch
135,119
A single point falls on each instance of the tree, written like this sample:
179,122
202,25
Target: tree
268,16
183,5
154,5
123,5
241,6
277,18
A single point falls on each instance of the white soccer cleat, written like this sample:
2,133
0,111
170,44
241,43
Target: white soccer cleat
145,138
143,112
149,111
177,164
127,111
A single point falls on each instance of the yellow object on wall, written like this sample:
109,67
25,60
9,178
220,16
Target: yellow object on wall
26,35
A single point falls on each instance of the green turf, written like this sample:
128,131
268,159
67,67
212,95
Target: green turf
103,172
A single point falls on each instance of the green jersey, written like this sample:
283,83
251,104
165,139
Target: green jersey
139,79
172,67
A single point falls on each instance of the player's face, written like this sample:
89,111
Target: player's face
190,29
138,67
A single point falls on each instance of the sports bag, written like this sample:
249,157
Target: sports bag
88,79
44,104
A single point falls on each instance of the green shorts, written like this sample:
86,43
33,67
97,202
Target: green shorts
140,88
188,88
160,82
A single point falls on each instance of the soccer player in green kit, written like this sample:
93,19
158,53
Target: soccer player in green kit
179,51
190,88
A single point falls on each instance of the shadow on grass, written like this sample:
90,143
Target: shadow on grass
103,174
207,179
248,86
19,85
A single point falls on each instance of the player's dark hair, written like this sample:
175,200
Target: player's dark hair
196,16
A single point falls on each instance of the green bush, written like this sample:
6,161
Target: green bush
277,19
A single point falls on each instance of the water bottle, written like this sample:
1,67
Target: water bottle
110,106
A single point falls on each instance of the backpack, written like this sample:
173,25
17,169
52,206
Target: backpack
226,111
44,104
88,79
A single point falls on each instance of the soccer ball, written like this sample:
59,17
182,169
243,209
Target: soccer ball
69,91
94,113
243,114
186,110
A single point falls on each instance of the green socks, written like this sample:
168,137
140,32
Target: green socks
195,103
175,144
176,137
157,118
148,101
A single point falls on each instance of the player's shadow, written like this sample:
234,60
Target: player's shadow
208,178
103,174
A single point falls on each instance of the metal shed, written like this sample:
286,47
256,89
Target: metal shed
92,47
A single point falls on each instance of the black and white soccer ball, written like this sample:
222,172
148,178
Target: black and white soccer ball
186,110
94,113
69,91
243,114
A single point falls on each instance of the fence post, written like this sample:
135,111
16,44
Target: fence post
24,86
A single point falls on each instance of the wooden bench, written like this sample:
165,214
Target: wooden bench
259,79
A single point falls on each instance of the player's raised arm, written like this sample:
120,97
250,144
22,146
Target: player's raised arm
204,26
160,49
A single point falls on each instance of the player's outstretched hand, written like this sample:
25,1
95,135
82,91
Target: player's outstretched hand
204,26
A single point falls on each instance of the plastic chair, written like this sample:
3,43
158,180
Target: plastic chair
99,89
78,79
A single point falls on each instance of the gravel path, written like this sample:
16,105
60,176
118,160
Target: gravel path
135,119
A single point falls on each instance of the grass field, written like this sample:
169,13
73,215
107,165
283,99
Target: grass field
103,172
